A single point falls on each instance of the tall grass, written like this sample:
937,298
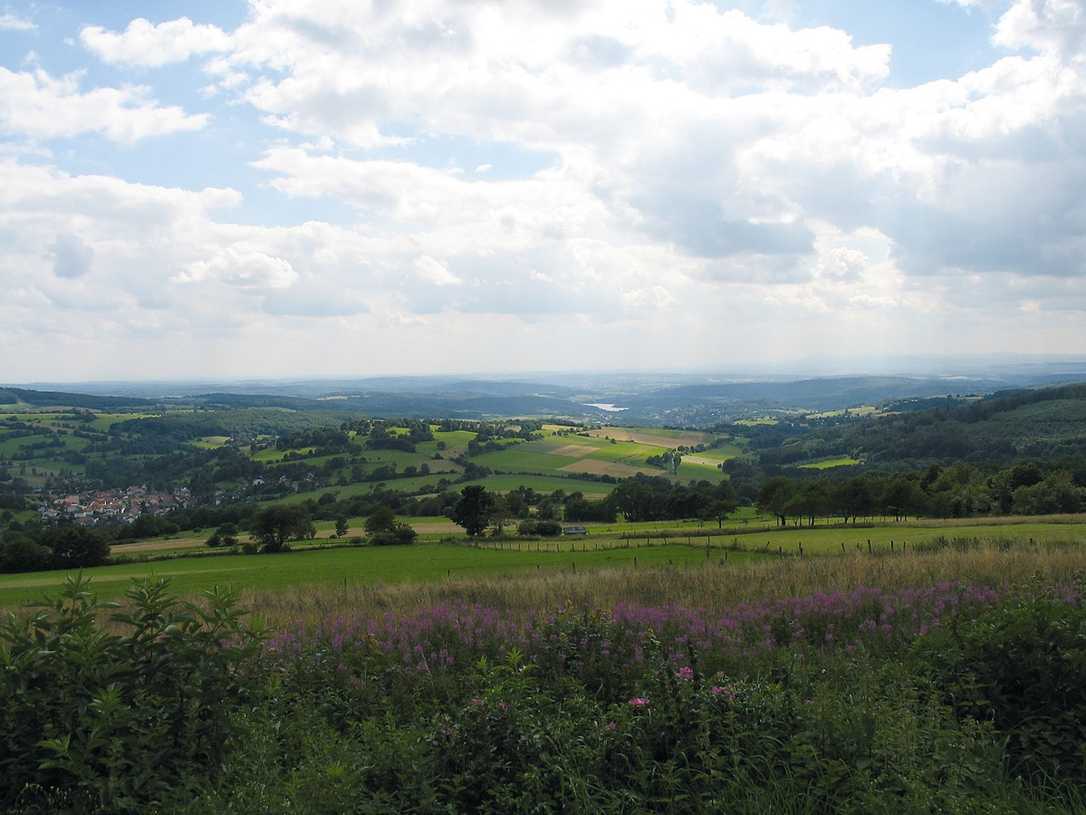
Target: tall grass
710,586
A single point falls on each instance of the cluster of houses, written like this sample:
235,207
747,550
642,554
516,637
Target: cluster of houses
125,505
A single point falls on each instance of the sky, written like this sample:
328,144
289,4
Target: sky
341,187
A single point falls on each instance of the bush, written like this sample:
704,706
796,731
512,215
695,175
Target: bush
1021,666
398,534
544,529
110,723
19,553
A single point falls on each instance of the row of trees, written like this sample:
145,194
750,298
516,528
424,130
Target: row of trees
958,491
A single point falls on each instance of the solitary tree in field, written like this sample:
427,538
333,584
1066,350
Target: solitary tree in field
274,526
341,527
723,503
380,520
473,510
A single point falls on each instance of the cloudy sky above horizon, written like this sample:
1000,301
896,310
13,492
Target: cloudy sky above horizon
340,187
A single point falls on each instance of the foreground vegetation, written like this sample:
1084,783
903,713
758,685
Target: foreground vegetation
946,680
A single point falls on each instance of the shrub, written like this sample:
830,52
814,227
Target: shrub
548,529
113,722
1021,666
19,553
398,533
544,528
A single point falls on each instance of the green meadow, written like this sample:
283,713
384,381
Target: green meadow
677,543
830,463
351,566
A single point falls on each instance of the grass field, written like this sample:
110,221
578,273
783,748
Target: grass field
104,421
835,541
506,483
606,545
354,566
211,442
830,463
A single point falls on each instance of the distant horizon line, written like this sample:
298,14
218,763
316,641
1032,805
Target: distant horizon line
886,367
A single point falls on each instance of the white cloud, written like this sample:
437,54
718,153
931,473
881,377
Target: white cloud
152,46
1048,26
11,22
433,272
689,166
38,105
244,268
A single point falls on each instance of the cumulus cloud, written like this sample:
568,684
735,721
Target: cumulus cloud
36,104
245,269
1048,26
152,46
657,159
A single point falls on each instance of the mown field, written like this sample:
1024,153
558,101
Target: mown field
351,566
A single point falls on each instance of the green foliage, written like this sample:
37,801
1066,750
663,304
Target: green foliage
276,525
398,534
64,547
108,722
543,529
473,510
179,715
1021,667
380,520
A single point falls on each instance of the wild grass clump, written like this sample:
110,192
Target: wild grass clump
713,585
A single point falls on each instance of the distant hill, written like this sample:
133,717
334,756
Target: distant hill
410,405
12,396
1047,423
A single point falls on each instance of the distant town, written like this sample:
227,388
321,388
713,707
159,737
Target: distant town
100,506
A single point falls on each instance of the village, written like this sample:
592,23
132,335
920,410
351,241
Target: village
111,506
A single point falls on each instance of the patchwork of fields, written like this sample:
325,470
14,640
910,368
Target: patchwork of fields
52,448
618,452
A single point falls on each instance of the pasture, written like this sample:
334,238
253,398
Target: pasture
351,567
830,463
613,545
